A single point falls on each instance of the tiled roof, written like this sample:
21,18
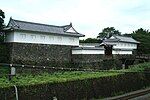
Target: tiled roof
122,39
88,48
126,39
42,28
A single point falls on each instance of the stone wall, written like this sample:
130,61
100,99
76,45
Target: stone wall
95,61
5,52
55,56
41,54
87,60
87,57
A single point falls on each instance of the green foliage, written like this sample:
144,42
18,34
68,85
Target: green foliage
77,89
108,32
2,16
56,77
127,35
143,36
108,64
140,67
91,40
4,70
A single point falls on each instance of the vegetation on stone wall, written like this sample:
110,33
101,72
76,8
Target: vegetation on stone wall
87,88
75,85
140,67
56,77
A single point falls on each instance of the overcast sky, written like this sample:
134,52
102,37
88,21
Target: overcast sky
89,17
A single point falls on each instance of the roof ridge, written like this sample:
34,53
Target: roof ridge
124,36
14,23
38,27
37,23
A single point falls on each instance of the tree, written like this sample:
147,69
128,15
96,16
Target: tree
108,32
90,40
2,16
127,35
143,36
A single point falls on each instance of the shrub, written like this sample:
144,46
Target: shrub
78,86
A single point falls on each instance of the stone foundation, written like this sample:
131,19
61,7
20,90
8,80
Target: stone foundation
95,61
56,56
87,60
5,52
40,54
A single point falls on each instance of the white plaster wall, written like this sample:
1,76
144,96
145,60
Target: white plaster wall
125,45
24,37
121,52
99,52
87,51
9,37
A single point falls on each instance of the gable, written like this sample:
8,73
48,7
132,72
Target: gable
112,37
72,30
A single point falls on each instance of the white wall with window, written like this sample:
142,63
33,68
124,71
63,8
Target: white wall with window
125,45
122,52
39,38
85,51
100,51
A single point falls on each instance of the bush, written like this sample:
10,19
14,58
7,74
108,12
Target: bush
4,70
87,88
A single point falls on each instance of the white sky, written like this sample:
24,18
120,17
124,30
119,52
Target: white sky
89,17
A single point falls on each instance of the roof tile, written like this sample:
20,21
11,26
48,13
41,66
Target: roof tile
43,28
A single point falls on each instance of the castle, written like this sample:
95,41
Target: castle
41,44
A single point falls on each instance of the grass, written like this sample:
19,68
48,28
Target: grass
139,68
52,78
58,77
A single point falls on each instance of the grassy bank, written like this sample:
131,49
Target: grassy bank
140,67
52,78
58,77
75,85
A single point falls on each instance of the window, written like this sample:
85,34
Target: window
120,44
128,44
70,39
125,44
42,37
134,45
51,37
59,38
117,44
33,36
73,40
23,36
